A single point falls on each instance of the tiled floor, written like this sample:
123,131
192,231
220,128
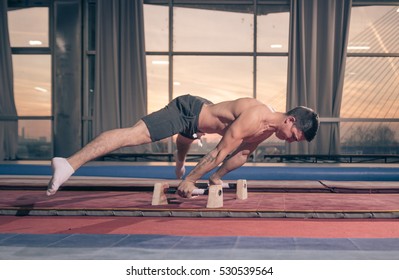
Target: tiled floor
124,247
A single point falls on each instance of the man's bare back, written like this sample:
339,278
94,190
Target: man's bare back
216,118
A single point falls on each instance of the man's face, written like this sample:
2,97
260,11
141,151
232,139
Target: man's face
296,135
289,132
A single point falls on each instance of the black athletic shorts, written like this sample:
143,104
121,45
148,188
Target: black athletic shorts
179,116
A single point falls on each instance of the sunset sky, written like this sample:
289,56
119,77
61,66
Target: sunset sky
219,78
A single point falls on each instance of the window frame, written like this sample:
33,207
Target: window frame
368,55
38,51
254,53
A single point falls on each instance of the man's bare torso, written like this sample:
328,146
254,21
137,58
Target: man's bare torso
217,118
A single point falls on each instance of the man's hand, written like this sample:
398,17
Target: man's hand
186,188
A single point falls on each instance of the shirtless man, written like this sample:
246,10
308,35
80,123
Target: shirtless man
243,123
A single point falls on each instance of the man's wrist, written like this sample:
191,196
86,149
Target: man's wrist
214,178
189,179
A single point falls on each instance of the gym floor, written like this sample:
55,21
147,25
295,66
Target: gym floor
315,213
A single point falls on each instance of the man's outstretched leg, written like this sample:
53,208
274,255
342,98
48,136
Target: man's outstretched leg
183,145
105,143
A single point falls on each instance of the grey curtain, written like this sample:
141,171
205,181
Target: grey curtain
8,112
317,65
121,81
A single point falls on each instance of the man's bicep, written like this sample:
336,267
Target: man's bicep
250,146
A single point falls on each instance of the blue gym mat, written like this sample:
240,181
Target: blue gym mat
165,247
249,172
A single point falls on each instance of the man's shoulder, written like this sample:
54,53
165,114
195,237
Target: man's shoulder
247,103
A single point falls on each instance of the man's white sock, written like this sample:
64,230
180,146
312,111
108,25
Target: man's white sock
62,170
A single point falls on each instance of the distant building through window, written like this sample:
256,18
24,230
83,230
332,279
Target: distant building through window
29,38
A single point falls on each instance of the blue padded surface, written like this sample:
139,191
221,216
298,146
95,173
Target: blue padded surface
248,172
125,246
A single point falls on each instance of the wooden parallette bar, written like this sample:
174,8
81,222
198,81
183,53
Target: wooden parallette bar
214,192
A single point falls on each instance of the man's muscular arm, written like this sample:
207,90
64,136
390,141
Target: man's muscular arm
236,160
206,164
244,126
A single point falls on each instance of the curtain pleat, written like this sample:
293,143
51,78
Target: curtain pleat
317,66
8,112
120,79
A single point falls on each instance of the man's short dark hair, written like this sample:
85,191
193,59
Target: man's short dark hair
306,120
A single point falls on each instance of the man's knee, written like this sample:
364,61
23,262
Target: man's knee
138,134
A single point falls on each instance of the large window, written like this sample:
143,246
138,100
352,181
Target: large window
220,50
29,37
370,105
29,27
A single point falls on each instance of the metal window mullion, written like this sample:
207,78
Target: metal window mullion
170,51
170,58
7,118
255,61
51,23
27,50
356,3
85,73
337,120
285,54
372,55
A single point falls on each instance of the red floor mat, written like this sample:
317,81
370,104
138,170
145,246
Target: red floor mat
109,196
256,202
203,227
